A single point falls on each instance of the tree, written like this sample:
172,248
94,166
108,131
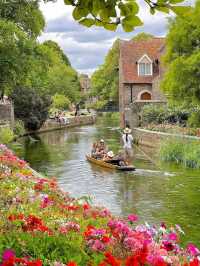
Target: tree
111,13
53,45
105,80
31,107
142,36
60,101
182,59
61,77
25,14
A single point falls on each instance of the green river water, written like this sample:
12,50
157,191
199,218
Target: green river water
155,193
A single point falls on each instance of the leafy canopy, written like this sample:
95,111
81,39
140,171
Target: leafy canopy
60,101
25,13
111,13
104,81
182,59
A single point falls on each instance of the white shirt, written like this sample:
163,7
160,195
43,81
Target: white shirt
128,143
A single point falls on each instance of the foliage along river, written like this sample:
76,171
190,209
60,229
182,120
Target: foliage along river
152,193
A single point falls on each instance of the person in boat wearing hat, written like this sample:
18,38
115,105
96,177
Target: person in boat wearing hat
109,155
127,140
101,149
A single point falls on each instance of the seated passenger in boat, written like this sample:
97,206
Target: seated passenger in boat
108,156
121,159
94,150
101,149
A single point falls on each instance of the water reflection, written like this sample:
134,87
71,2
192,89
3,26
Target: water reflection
151,193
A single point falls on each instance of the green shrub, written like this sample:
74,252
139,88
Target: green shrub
6,135
31,107
162,114
19,129
153,114
194,119
60,102
172,150
186,153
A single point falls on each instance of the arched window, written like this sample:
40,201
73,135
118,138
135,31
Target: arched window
145,96
145,66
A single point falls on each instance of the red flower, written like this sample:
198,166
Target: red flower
86,206
106,239
195,262
138,259
71,263
111,260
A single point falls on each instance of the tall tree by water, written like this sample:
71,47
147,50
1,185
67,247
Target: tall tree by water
181,81
104,81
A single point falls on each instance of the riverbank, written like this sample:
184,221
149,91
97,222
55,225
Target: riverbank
42,225
51,124
155,138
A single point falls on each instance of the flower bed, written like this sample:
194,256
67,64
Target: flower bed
174,129
42,225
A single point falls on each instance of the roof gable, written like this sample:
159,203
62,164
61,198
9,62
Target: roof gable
142,59
131,52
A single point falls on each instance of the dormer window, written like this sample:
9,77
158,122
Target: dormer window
145,66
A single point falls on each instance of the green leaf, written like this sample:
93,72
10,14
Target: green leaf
181,10
127,27
133,21
176,1
88,22
133,8
111,27
76,13
68,2
124,10
163,9
99,23
152,10
104,15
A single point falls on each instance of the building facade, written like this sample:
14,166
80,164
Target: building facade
85,83
140,73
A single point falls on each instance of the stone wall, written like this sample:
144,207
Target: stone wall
133,112
156,92
153,138
7,114
51,125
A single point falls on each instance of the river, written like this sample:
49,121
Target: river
156,193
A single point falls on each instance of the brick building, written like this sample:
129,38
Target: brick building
85,83
140,72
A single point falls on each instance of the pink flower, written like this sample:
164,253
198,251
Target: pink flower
193,250
132,218
98,245
173,236
8,253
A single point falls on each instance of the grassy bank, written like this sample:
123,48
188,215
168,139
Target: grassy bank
180,151
42,225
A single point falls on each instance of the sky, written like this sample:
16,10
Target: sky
87,47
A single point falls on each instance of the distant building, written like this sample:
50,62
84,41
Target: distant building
85,83
140,72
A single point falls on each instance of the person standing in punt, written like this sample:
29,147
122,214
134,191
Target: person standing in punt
127,140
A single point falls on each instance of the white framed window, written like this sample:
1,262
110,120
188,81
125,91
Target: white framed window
145,66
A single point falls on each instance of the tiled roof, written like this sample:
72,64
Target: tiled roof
132,51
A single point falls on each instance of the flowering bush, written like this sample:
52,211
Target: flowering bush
42,225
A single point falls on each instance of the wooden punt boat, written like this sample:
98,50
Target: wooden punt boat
110,164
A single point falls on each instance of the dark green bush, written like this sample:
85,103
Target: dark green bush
30,107
162,114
